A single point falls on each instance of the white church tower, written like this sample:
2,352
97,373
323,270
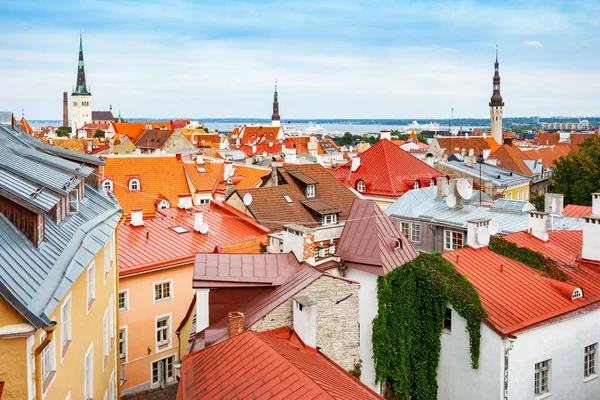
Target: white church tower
496,105
81,106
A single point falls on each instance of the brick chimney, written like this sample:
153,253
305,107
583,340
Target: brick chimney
591,231
65,109
236,323
538,225
137,217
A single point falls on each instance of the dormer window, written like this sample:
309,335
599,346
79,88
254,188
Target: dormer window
134,184
108,185
416,185
432,182
330,219
310,191
361,186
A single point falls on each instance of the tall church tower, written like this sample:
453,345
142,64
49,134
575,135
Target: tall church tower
275,119
81,110
496,105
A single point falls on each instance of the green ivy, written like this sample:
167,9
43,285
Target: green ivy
406,332
528,257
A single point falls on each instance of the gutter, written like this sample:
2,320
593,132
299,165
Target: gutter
511,340
49,329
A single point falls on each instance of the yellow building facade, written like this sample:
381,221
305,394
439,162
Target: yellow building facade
518,192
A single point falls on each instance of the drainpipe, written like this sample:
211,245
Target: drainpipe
511,341
49,329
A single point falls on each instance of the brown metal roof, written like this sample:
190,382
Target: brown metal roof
302,177
153,139
320,207
370,238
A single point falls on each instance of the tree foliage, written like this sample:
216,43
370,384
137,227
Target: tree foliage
577,175
404,136
350,139
538,201
63,131
99,133
406,332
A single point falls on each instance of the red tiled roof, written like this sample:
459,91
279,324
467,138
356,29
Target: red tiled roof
516,296
271,147
575,211
155,244
213,180
274,364
153,139
102,127
369,241
250,134
548,139
135,129
577,139
179,123
162,175
512,159
548,155
455,144
387,170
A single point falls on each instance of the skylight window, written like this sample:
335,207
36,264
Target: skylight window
201,169
179,229
288,198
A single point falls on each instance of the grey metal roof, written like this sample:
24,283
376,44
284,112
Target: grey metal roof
35,279
499,176
50,160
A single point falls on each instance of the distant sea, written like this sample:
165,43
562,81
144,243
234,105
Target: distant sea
355,126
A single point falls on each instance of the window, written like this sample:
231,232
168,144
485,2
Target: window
65,325
108,185
88,388
329,219
361,186
204,201
74,104
179,229
416,185
310,191
134,184
287,198
162,291
105,339
448,320
432,182
415,233
162,331
453,240
162,371
106,259
405,229
123,344
517,195
111,387
48,362
111,322
73,201
542,378
91,285
124,300
589,360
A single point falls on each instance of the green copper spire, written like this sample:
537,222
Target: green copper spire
81,88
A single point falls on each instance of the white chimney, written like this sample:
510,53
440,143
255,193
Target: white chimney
305,319
137,217
478,235
185,201
253,149
227,166
538,225
442,187
200,159
385,135
591,232
270,144
355,164
198,220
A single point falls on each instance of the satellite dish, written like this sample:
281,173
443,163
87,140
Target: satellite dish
483,236
554,206
451,200
247,199
464,189
493,227
230,172
204,228
264,153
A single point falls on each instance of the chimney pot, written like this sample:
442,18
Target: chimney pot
236,323
538,225
137,218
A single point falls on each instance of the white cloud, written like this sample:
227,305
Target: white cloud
534,44
449,50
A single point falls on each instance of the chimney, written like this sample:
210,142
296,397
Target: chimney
89,146
137,217
471,152
385,135
538,225
463,152
65,109
200,159
229,187
442,187
469,160
198,220
253,149
355,164
236,323
591,232
477,237
227,170
185,201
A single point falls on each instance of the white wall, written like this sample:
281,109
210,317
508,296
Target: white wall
294,243
563,342
456,379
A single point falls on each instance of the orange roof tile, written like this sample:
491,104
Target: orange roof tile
575,211
25,125
454,144
135,129
512,159
213,179
548,139
158,175
251,133
516,296
274,364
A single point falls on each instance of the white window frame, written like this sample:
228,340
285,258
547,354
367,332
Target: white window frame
154,384
123,355
412,233
539,370
330,219
361,186
105,340
453,246
416,185
590,357
126,293
404,225
111,321
170,282
106,260
111,387
48,357
108,185
203,201
88,385
311,191
138,185
168,327
65,326
91,286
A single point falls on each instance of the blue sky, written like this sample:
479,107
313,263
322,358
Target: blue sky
332,59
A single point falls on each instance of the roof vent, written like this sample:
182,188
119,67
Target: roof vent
137,218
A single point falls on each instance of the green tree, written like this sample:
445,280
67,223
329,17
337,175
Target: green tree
346,139
63,131
577,175
99,133
538,202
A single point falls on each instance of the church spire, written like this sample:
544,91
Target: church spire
275,117
496,105
496,99
81,88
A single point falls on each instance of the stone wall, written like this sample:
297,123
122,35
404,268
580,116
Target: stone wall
337,324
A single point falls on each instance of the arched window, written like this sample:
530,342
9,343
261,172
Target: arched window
108,185
432,182
416,185
134,184
360,186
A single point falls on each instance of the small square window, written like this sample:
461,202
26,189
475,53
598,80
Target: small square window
201,169
162,291
287,198
123,301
